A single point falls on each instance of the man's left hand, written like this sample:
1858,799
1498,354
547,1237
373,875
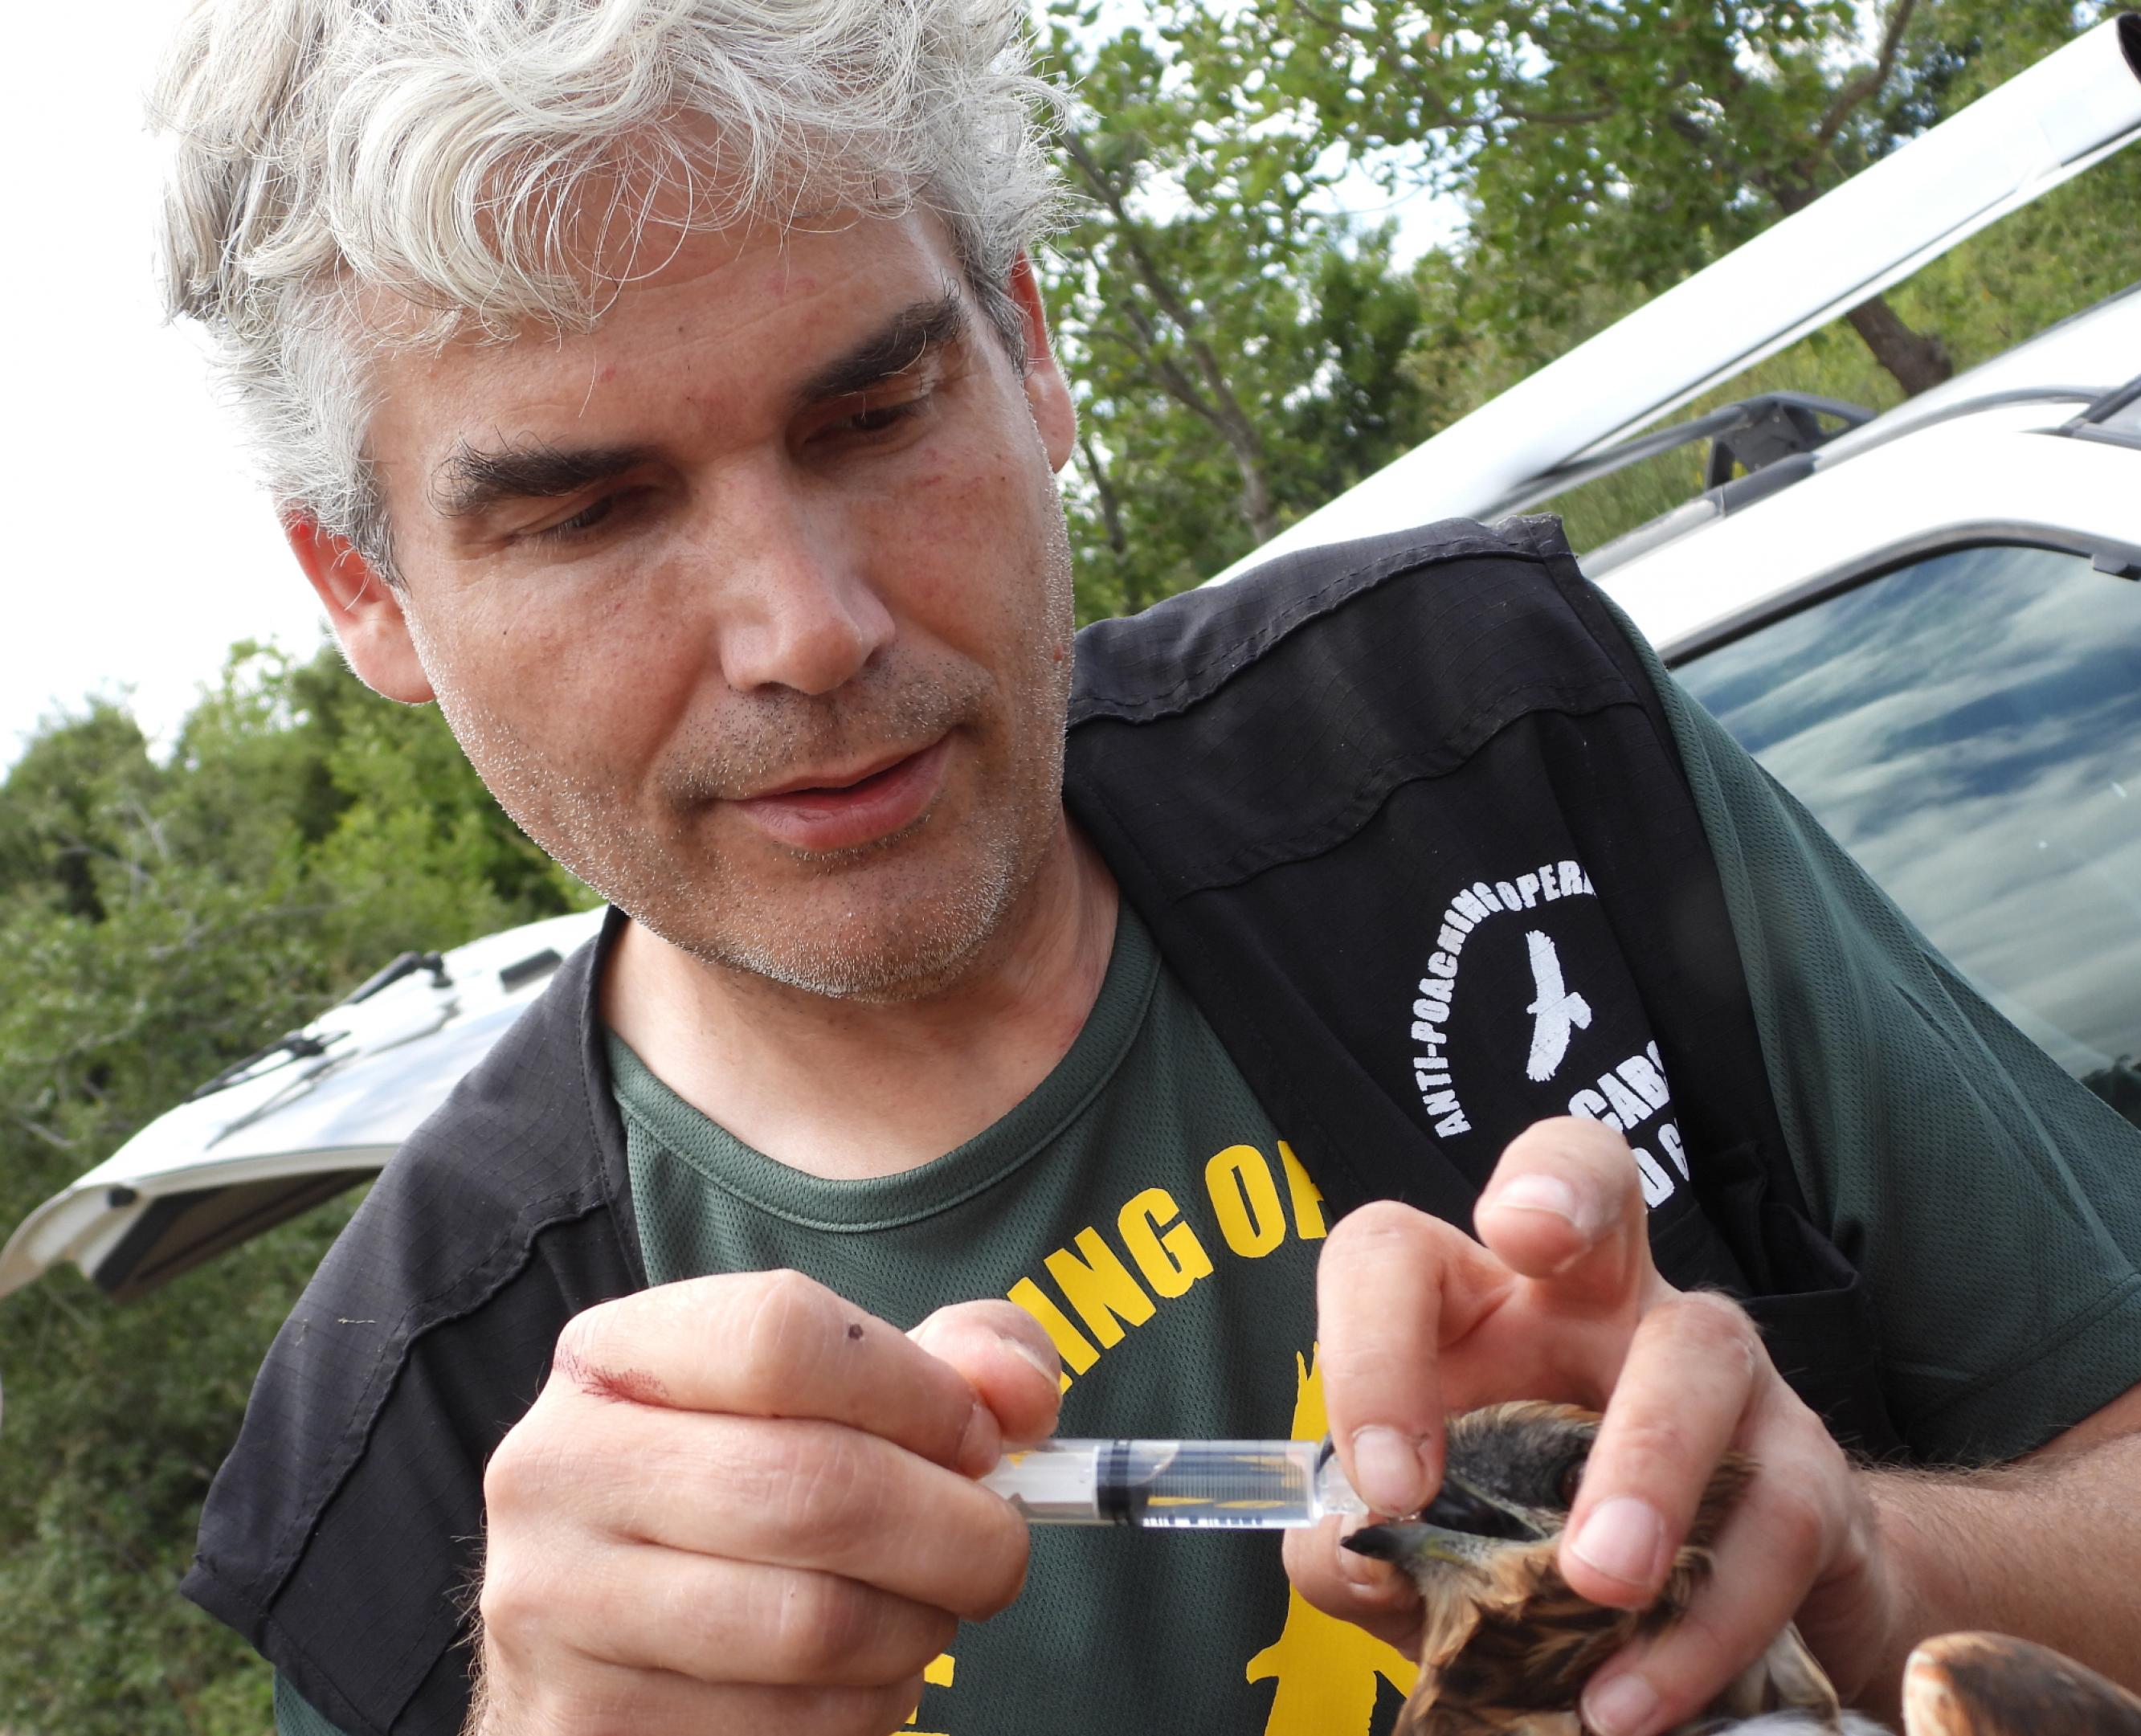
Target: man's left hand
1417,1320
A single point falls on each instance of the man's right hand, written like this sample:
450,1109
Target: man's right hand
742,1504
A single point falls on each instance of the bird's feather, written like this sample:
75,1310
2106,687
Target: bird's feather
1784,1678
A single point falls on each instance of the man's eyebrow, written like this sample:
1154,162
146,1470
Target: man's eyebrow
891,350
472,480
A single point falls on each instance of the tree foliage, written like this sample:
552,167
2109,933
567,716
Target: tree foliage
158,918
1236,350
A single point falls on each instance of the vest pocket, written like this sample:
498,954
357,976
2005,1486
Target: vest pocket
1825,1339
1813,1307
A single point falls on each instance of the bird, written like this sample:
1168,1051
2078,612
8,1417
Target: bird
1507,1645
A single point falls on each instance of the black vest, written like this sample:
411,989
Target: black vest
1405,818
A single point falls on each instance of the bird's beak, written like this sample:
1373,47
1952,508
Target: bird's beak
1449,1528
1403,1542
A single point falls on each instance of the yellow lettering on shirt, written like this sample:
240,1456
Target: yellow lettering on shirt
1307,1197
1245,1199
1100,1287
1170,1260
936,1673
1092,1280
1327,1670
1327,1674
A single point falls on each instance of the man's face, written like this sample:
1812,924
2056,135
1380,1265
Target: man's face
752,607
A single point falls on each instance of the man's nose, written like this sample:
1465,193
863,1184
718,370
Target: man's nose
796,607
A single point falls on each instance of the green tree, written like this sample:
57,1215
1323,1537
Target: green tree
1235,348
157,919
1627,141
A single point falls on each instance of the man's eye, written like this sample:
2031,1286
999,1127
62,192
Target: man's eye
587,518
878,419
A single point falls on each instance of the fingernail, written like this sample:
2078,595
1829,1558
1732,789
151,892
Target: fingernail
1537,1192
1622,1708
1049,1367
1623,1539
1387,1471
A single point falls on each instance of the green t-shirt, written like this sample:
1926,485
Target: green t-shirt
1141,1206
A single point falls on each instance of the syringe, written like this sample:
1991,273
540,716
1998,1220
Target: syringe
1257,1484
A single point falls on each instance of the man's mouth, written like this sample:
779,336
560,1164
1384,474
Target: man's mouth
840,809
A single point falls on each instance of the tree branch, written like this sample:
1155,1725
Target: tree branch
1111,513
1225,411
45,1133
1165,369
1573,117
1690,129
1867,85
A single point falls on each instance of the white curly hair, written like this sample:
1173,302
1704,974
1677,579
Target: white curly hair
493,164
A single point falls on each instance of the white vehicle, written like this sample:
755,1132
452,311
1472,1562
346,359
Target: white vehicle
1926,623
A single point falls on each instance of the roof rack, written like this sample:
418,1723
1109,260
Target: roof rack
2116,416
1745,437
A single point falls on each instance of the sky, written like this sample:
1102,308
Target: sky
141,548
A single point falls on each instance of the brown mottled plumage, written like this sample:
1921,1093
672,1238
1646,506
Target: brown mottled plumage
1507,1645
1986,1684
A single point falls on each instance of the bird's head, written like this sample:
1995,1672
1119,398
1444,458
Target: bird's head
1502,1627
1510,1478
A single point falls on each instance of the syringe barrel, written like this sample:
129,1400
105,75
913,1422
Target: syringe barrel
1205,1484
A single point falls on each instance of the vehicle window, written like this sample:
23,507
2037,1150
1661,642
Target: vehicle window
1969,727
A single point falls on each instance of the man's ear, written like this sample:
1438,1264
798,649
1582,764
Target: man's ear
364,610
1046,391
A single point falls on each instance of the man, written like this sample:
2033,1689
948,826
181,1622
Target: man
664,391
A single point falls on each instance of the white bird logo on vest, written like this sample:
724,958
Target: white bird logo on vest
1555,1013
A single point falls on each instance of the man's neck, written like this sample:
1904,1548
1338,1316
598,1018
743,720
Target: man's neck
846,1089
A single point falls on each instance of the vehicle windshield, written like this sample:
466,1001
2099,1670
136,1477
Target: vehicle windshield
1969,727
